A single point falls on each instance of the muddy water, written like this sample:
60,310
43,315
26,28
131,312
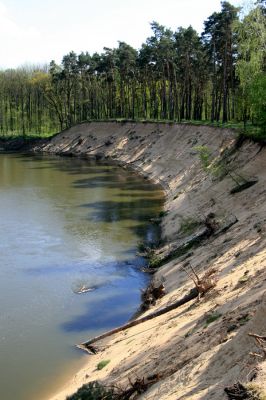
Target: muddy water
67,225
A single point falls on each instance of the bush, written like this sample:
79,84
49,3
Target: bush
92,391
211,318
188,225
102,364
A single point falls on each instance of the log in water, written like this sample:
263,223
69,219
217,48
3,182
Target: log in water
67,225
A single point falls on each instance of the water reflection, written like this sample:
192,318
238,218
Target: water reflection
65,223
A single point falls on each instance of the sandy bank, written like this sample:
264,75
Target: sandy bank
201,347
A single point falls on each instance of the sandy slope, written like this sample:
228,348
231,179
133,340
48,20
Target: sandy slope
193,359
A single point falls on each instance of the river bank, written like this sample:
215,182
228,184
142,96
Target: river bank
198,349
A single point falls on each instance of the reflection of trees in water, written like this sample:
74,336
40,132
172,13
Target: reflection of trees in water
115,180
113,211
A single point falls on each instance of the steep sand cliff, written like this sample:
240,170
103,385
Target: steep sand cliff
198,349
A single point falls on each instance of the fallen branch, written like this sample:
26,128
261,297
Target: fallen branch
137,387
150,295
193,294
237,391
212,228
261,344
204,284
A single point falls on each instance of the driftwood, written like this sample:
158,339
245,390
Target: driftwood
202,285
150,295
261,344
193,294
211,228
139,386
238,392
242,186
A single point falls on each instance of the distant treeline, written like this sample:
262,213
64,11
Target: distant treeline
216,76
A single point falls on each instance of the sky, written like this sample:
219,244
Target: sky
36,32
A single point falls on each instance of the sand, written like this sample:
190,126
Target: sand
192,355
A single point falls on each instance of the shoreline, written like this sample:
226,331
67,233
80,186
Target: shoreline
198,349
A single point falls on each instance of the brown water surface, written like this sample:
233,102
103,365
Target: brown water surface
66,224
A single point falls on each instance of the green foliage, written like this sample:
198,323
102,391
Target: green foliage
204,155
258,101
24,108
92,391
102,364
250,67
243,319
214,167
188,225
211,318
175,77
143,247
163,213
154,260
243,279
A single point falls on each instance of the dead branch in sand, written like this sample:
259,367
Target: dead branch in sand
190,296
202,285
139,386
261,344
150,295
237,391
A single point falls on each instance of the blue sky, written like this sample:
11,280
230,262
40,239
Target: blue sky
35,32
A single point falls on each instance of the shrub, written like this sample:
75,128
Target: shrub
188,225
213,317
92,391
102,364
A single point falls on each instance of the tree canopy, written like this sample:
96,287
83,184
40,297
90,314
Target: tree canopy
216,76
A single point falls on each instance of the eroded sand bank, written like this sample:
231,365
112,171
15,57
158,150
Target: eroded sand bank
200,348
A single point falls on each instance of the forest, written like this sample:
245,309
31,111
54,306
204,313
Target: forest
216,77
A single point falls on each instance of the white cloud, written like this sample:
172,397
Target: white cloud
17,42
34,31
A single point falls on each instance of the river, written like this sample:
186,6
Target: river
66,225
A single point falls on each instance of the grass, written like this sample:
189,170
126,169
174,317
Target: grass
92,391
243,279
102,364
163,213
27,136
154,261
250,131
243,320
255,391
211,318
188,225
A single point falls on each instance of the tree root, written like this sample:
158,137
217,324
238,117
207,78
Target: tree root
238,392
261,344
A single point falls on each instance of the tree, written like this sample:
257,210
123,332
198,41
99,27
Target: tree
251,67
220,42
191,72
126,64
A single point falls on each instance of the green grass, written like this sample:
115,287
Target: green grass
27,136
211,318
244,319
188,225
243,279
163,213
102,364
92,391
154,261
255,133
